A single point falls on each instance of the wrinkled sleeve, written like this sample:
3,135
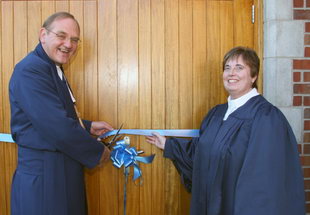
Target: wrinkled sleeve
270,181
181,152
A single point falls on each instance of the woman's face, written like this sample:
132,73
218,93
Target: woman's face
237,77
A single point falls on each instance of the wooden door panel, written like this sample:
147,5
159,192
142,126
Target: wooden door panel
145,63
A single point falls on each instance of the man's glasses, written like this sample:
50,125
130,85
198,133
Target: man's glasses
63,37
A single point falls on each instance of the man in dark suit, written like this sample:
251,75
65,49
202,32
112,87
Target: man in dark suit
54,144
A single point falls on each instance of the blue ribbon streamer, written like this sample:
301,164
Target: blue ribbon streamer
149,132
123,155
6,138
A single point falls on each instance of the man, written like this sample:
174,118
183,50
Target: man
53,143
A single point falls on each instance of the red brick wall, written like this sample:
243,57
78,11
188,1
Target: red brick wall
301,82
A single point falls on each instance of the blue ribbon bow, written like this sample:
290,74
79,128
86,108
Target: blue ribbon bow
122,154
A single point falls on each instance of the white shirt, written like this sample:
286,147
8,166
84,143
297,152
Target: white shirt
59,71
234,104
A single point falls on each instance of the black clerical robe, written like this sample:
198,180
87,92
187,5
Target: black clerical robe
246,165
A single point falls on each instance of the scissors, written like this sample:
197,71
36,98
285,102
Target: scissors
115,136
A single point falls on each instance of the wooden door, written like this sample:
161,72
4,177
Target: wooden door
145,63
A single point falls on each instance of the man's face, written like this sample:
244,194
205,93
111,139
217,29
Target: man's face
60,40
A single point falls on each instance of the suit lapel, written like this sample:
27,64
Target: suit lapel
62,90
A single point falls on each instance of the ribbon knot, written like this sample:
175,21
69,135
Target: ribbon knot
122,154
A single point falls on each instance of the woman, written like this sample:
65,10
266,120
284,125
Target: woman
245,160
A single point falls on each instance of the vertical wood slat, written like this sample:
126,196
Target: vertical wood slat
90,43
20,31
243,27
90,61
200,77
61,6
158,99
185,81
3,185
47,8
107,97
127,17
160,59
213,52
7,33
186,63
33,23
171,182
145,101
75,72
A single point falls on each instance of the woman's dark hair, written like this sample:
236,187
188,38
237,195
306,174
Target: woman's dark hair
249,57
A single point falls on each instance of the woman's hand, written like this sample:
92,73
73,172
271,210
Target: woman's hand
157,140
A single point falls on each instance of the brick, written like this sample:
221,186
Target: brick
306,100
307,113
307,140
307,26
308,3
307,52
307,149
297,77
301,88
307,196
305,160
307,125
302,14
307,184
301,64
297,100
306,76
306,172
307,207
307,39
298,3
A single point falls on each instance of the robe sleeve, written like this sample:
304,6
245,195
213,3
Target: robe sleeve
270,181
181,152
33,90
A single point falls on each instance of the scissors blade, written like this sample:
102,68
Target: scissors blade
113,139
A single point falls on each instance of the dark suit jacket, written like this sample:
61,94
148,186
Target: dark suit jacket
52,146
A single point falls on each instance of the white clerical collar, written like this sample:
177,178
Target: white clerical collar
234,104
59,72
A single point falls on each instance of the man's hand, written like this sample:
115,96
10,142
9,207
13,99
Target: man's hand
100,127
